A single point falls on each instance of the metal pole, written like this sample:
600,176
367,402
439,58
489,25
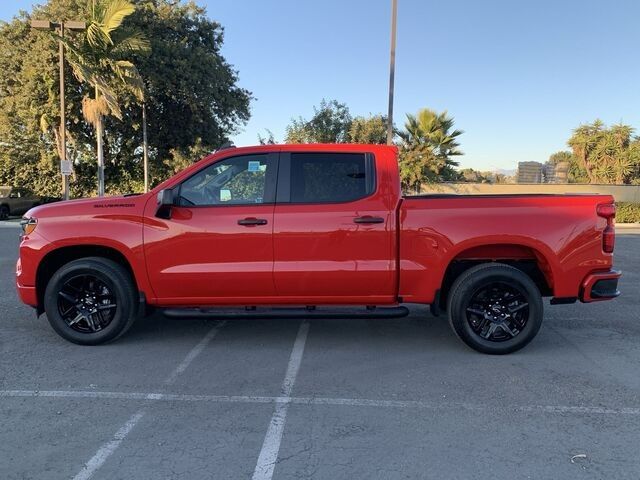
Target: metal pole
63,123
100,150
392,68
145,147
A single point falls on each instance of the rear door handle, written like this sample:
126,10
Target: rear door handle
249,222
368,219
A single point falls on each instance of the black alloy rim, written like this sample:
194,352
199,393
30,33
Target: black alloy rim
86,303
498,312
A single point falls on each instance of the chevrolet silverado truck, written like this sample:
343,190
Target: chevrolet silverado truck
314,230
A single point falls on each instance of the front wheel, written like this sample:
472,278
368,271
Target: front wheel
495,308
90,301
4,212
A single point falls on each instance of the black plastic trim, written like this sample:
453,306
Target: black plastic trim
286,312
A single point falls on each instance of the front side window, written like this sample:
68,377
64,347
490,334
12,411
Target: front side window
331,177
241,180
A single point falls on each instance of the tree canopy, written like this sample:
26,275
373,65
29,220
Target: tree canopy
606,154
194,102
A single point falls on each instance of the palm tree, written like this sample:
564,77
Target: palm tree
582,142
434,129
102,60
428,143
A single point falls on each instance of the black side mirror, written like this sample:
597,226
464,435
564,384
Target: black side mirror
166,200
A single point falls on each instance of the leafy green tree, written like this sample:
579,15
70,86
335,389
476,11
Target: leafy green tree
427,144
368,130
268,140
191,93
101,60
330,123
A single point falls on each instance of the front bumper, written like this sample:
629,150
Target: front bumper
26,293
600,286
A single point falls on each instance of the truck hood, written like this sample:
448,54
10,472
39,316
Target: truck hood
87,206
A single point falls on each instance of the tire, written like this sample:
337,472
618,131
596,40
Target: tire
4,212
100,291
495,308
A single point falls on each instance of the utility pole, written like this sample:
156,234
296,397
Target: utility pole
65,165
145,147
392,70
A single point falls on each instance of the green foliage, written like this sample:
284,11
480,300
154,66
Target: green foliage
607,154
330,124
627,212
268,140
368,130
427,145
190,89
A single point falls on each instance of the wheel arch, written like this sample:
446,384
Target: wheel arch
60,256
529,259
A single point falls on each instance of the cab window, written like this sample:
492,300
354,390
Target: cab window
243,180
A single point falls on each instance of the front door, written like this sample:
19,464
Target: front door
217,247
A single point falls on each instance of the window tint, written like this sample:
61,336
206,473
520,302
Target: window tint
234,181
330,177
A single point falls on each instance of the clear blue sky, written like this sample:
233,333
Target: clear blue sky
517,76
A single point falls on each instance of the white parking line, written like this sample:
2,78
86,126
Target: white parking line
106,450
271,445
349,402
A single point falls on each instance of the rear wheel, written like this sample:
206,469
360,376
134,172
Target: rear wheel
90,301
4,212
495,308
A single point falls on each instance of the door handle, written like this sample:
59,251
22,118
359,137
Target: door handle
249,222
368,219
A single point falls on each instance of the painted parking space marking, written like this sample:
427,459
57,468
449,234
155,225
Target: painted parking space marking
273,438
348,402
106,450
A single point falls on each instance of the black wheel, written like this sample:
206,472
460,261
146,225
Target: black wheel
90,301
495,308
4,212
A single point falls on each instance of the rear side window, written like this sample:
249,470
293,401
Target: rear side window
331,177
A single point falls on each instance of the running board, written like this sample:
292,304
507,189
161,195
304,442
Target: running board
309,312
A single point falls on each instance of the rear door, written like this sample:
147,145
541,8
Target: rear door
333,234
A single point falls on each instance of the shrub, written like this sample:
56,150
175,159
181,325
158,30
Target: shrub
627,212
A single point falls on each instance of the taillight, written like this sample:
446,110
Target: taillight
608,211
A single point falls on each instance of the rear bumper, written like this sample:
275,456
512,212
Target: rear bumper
600,286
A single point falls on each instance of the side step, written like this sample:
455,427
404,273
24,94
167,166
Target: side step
284,312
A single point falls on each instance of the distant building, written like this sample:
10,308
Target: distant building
556,173
536,172
529,172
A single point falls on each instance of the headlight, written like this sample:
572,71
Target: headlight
28,225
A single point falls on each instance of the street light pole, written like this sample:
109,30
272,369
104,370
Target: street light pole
65,165
392,70
63,119
145,147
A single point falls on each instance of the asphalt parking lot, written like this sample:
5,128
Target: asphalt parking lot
324,399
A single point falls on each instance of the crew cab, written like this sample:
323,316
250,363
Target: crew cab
308,230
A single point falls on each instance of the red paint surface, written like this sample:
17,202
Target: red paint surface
315,253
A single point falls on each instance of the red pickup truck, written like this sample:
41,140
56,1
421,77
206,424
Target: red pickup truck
307,230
